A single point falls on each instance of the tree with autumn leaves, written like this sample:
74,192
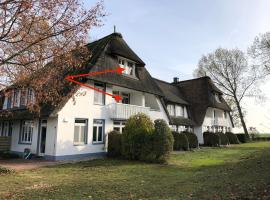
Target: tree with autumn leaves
40,39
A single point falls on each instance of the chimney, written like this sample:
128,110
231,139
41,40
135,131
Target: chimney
175,80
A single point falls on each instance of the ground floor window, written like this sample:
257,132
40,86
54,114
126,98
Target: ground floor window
26,132
80,131
98,131
119,126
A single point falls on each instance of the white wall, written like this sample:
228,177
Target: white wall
15,145
199,133
81,106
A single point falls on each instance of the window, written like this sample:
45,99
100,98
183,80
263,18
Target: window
217,98
125,97
98,131
119,126
171,110
225,114
26,132
15,98
30,96
9,101
80,131
99,98
5,129
179,111
129,66
214,114
10,128
23,97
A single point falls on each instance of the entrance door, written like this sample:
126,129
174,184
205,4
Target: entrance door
43,132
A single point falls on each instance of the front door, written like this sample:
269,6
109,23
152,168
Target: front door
43,132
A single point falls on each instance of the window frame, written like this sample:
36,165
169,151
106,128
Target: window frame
22,135
103,132
124,63
121,125
85,142
103,95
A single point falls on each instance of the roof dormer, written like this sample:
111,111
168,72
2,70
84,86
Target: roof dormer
128,65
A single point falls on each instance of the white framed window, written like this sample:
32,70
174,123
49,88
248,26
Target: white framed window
128,65
98,131
119,126
80,131
5,128
217,97
125,96
30,96
23,97
15,98
26,132
179,111
99,98
225,114
171,110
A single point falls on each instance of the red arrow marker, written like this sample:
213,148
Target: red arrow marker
118,70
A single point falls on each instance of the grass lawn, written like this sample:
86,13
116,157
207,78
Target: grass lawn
238,172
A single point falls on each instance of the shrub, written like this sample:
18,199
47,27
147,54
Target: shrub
8,155
180,141
232,138
211,139
242,137
114,144
134,137
163,140
223,139
4,170
192,140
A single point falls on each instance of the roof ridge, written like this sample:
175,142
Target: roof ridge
194,79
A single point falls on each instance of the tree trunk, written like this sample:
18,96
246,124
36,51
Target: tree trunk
241,117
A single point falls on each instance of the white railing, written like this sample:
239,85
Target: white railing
219,122
124,111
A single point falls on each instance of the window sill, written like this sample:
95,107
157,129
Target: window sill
99,104
80,144
96,143
24,143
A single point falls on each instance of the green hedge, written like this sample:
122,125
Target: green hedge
232,138
180,141
134,139
192,140
223,139
242,137
211,139
163,141
145,141
114,144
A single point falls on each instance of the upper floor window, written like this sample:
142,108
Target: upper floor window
23,97
15,98
9,101
171,110
225,114
128,65
217,97
179,111
99,98
125,96
30,95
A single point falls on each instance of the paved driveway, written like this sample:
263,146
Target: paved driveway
22,164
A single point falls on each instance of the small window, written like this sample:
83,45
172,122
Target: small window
30,96
26,132
5,128
98,131
128,65
9,101
125,98
171,110
15,98
23,97
179,111
80,131
99,98
119,126
225,114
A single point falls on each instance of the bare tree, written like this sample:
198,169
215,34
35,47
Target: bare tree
229,69
260,50
34,33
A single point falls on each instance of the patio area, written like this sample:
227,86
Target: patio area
22,164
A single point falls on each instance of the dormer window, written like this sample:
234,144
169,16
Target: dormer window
128,65
217,97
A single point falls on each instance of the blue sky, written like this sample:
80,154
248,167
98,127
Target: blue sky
171,36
